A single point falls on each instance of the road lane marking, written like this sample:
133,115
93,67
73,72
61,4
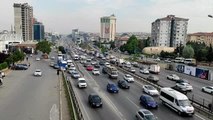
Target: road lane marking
199,117
133,102
54,113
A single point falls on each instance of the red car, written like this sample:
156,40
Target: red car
90,68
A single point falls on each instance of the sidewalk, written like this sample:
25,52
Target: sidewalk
65,109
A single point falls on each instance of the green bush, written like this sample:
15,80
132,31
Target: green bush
3,65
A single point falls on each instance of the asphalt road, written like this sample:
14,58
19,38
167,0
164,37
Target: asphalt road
25,97
121,106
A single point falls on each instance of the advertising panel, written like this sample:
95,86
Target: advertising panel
189,70
202,73
180,68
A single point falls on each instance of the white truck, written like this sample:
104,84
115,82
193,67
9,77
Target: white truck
154,69
111,71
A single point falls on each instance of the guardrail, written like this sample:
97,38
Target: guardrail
76,111
201,106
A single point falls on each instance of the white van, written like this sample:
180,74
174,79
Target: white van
176,101
179,60
190,61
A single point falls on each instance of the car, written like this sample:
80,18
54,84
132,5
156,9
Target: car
37,72
97,66
157,59
168,60
89,68
123,84
56,66
153,78
71,71
2,74
95,72
52,64
208,89
53,58
106,64
132,70
144,70
83,61
82,83
135,64
112,88
94,100
182,81
185,86
149,89
101,63
144,114
148,101
86,64
75,75
93,62
38,58
128,78
20,67
173,77
72,68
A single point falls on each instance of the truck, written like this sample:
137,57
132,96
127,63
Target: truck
62,64
154,69
111,71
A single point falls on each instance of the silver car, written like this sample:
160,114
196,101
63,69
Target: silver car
144,114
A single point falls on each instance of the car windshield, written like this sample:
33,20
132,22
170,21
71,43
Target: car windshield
96,99
150,99
149,117
184,103
38,71
82,81
150,88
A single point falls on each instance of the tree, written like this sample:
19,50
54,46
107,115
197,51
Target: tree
44,46
210,54
188,52
61,48
112,44
201,55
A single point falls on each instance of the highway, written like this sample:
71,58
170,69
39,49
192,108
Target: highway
25,97
121,106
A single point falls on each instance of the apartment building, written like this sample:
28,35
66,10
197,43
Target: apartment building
201,37
23,20
169,31
108,28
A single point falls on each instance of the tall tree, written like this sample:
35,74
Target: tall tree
188,52
44,46
210,54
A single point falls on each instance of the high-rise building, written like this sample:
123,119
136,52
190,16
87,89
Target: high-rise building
23,20
38,29
169,31
108,28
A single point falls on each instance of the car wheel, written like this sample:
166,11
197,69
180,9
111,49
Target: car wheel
179,113
202,89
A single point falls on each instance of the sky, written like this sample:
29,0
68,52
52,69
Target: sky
132,15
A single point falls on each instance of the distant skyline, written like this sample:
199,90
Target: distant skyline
132,15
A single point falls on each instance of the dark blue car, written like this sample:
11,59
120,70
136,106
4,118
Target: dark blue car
112,88
148,101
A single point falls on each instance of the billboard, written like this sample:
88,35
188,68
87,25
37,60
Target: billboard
202,73
180,68
189,70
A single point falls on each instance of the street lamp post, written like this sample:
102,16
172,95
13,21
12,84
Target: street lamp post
211,16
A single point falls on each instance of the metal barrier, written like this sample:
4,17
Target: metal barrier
73,100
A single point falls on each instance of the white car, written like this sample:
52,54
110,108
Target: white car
38,58
150,90
72,68
2,74
173,77
132,70
93,62
184,86
128,78
144,70
208,89
82,83
38,72
96,72
71,71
